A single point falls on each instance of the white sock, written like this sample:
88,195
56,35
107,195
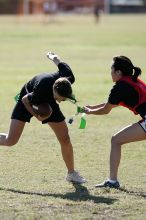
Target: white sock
112,181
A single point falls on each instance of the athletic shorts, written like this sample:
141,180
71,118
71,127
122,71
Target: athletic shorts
21,113
142,123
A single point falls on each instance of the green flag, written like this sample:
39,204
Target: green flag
82,122
17,97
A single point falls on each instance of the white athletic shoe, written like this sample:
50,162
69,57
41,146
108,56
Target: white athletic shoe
75,177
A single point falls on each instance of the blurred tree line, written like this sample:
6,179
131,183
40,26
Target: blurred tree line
8,6
8,1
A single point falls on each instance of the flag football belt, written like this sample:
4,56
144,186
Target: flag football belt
17,97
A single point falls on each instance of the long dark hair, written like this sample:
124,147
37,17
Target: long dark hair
125,65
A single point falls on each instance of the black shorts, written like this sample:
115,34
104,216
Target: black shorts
21,113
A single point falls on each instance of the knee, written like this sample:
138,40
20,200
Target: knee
115,141
11,142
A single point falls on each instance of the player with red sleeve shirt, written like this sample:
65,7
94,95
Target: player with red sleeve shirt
129,91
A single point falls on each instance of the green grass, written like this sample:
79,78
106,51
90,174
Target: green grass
32,184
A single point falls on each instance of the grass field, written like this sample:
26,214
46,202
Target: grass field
32,183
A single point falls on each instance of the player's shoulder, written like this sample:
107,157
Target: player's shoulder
120,87
122,84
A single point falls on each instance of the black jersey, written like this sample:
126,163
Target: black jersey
40,89
41,86
123,92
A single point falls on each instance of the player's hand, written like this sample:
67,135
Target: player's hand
51,55
40,118
86,110
54,57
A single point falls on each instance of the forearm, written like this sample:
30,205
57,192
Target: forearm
54,57
99,111
103,110
96,106
57,60
30,109
28,106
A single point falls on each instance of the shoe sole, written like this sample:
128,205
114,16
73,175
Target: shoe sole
113,187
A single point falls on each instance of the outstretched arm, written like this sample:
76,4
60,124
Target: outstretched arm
64,68
54,57
95,106
100,110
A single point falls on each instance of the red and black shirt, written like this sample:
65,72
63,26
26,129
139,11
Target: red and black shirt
127,94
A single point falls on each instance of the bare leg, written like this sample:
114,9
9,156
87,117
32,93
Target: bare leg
62,135
15,131
129,134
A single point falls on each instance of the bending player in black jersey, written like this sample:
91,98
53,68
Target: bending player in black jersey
129,91
46,88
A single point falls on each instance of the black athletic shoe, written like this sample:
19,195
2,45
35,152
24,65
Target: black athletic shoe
107,183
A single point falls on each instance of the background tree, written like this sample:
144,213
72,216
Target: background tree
8,6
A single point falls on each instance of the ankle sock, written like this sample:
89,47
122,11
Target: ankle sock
112,181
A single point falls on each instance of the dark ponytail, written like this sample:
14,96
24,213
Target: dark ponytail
125,65
137,72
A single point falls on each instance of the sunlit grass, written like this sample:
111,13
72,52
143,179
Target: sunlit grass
33,173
